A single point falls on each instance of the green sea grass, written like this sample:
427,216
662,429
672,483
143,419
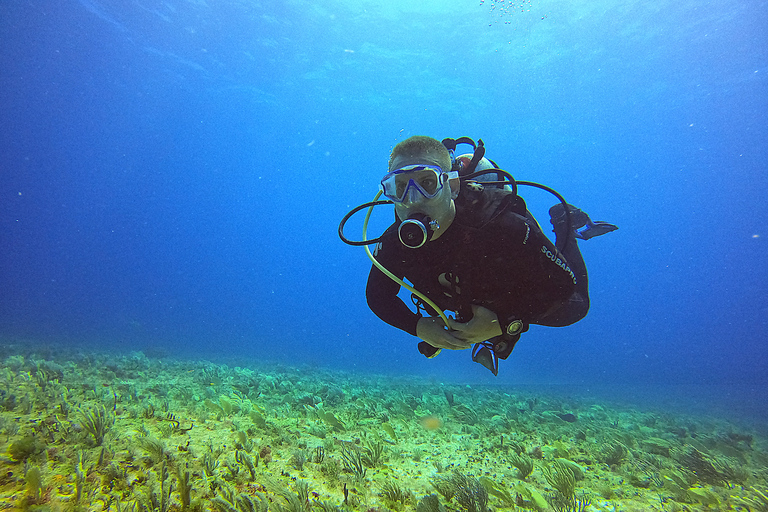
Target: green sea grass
468,492
352,459
97,421
34,483
560,476
430,503
698,463
523,463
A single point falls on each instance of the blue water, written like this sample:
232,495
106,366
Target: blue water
173,174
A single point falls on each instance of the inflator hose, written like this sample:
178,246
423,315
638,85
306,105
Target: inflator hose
366,242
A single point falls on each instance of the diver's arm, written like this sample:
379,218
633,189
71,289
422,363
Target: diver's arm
381,294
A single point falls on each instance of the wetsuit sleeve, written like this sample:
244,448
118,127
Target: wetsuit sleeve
381,294
538,276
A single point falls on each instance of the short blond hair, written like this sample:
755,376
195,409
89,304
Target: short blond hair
422,145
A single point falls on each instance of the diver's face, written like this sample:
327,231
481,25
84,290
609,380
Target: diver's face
433,206
439,207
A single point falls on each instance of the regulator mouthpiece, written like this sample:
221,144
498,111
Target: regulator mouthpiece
416,230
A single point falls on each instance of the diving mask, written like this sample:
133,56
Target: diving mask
414,183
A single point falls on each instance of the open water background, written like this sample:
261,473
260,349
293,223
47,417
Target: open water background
172,175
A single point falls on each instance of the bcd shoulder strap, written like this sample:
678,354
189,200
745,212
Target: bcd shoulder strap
479,205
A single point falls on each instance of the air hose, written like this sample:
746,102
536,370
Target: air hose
390,274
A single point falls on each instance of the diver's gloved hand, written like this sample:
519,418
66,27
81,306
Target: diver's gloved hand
433,331
484,325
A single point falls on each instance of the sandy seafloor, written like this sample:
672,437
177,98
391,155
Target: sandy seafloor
195,435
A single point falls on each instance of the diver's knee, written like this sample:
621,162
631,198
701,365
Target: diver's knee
569,313
580,309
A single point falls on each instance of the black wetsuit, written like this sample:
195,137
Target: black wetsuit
495,255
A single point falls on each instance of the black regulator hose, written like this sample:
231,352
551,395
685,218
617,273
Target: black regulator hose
509,181
568,234
351,213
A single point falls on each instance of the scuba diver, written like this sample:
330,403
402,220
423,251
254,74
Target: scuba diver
467,244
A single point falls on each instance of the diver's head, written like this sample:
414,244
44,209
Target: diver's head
420,149
417,182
